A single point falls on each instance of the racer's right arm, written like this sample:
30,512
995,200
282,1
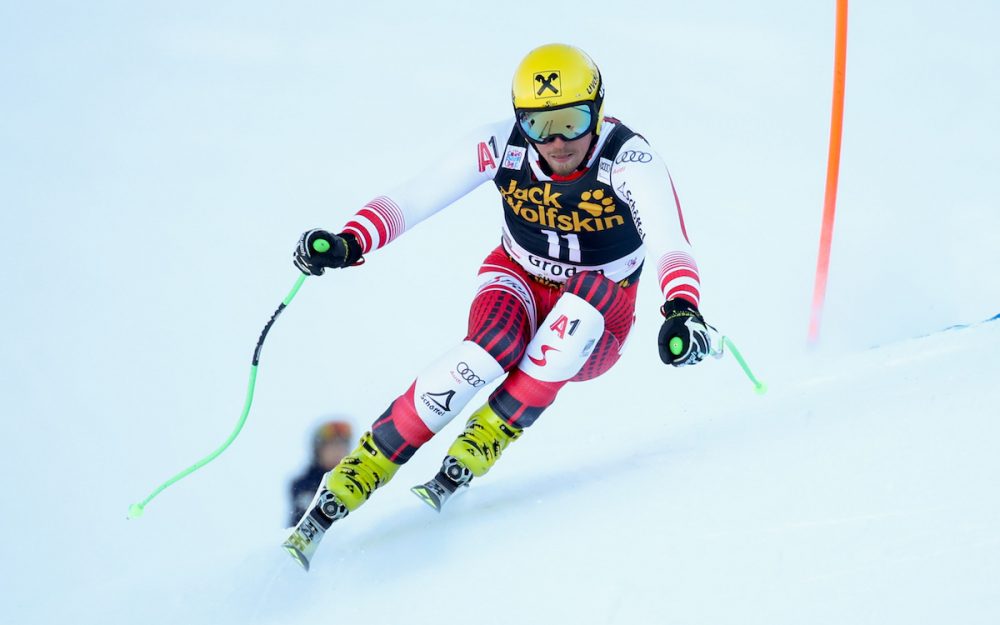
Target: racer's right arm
471,162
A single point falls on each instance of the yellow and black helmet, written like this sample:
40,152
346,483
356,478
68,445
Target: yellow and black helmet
557,92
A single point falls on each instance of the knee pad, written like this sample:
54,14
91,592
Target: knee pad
443,389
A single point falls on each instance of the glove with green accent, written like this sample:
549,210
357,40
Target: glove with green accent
683,338
319,250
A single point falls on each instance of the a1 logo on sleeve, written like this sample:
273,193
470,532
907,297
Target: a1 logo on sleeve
513,157
486,155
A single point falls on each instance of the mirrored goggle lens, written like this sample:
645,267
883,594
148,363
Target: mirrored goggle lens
569,123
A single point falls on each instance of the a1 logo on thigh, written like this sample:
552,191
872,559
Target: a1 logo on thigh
566,339
563,325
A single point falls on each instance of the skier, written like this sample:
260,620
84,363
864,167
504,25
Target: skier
583,198
330,443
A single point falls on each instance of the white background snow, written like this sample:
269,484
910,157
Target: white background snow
159,160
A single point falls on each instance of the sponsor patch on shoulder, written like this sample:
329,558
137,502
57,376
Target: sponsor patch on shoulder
604,171
513,157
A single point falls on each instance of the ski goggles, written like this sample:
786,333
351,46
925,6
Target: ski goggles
569,122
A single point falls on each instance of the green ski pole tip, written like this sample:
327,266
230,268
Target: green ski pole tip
321,245
760,389
676,346
135,511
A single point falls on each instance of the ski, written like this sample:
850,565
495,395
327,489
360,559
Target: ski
304,540
436,492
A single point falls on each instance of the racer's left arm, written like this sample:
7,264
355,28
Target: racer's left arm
641,180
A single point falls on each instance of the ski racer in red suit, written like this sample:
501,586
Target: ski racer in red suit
585,201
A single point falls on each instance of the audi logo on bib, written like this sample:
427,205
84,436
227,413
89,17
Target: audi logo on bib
633,156
467,374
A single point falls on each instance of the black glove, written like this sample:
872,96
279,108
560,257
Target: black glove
683,336
319,249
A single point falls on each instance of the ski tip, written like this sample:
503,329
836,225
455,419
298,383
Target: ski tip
297,555
427,497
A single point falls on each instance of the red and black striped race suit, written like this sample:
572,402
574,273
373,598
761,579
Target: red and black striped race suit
556,299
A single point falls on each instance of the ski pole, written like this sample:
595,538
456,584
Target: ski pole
135,510
677,348
758,386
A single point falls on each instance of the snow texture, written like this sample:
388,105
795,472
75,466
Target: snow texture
159,161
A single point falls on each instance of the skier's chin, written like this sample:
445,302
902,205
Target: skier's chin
563,166
561,169
564,157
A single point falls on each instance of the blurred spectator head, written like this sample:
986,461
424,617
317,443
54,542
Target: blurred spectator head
331,442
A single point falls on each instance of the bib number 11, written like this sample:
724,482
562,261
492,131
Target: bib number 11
555,246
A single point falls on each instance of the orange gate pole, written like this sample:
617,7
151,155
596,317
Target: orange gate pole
832,173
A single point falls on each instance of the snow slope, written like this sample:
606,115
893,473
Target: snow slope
159,161
861,491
